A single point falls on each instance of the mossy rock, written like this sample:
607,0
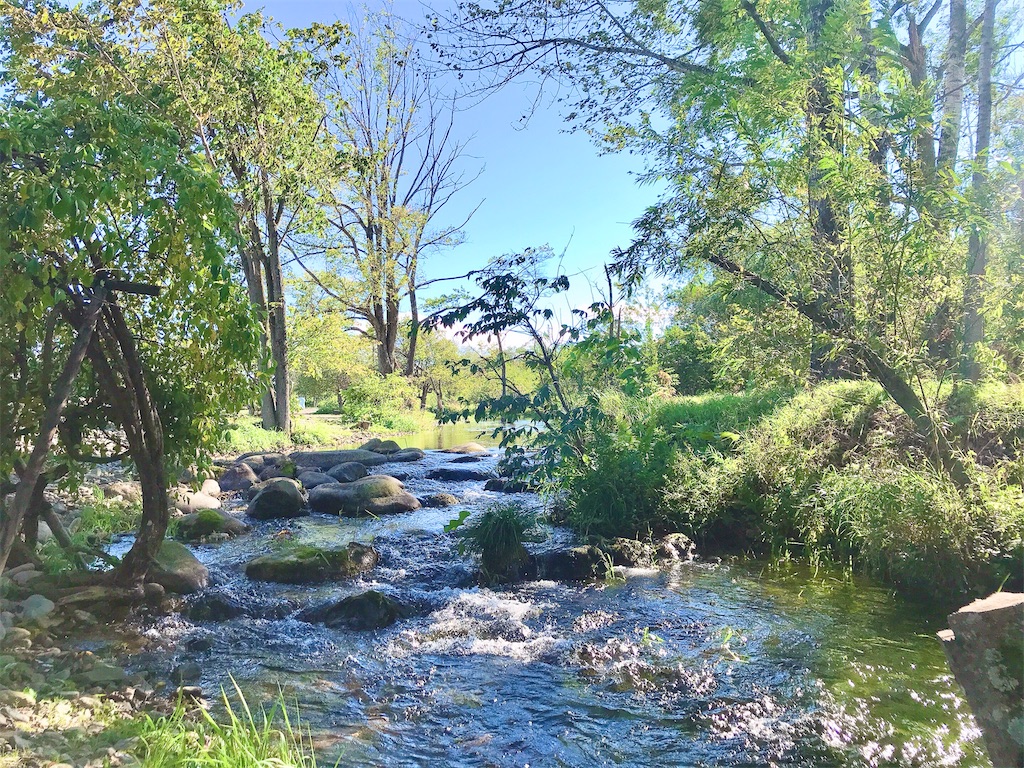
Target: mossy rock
207,522
384,447
281,498
575,564
373,494
177,570
435,500
304,564
466,448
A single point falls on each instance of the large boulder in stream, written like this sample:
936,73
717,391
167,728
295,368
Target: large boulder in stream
348,472
303,564
368,610
676,546
278,498
324,460
407,455
177,569
208,522
371,495
238,477
187,501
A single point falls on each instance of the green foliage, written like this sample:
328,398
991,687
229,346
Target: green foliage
834,472
240,738
498,536
381,400
246,434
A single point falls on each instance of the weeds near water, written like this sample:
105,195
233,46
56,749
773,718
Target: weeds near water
241,739
498,536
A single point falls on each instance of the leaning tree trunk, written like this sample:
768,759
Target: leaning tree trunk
977,246
33,470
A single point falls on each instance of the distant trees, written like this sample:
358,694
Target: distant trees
381,217
815,153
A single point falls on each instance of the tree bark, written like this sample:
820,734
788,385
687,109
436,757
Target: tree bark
824,136
953,86
977,246
11,523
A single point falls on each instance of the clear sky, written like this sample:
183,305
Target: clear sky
539,185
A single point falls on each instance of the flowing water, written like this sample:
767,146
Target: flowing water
738,664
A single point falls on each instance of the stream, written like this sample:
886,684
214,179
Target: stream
699,664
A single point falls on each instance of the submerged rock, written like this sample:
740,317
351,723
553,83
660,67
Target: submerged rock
575,564
368,610
348,472
458,474
239,477
309,564
371,495
440,500
280,498
178,570
506,485
471,458
324,460
208,522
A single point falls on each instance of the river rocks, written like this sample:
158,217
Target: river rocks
371,495
506,485
254,490
386,447
239,477
178,570
467,448
324,460
984,649
208,522
435,500
676,546
187,672
17,638
469,459
313,479
127,490
631,553
575,564
458,474
368,610
279,498
285,469
211,487
407,455
309,564
348,472
187,502
36,607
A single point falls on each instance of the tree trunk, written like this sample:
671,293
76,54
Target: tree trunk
276,308
825,138
953,86
11,523
977,247
414,328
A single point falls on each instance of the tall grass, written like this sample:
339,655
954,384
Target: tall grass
242,739
831,472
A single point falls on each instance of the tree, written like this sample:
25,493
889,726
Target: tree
389,116
252,106
798,164
101,197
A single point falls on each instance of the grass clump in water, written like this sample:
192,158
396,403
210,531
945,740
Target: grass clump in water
498,536
241,739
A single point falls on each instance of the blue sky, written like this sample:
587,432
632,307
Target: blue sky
539,185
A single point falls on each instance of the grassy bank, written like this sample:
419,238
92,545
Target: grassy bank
834,472
244,434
